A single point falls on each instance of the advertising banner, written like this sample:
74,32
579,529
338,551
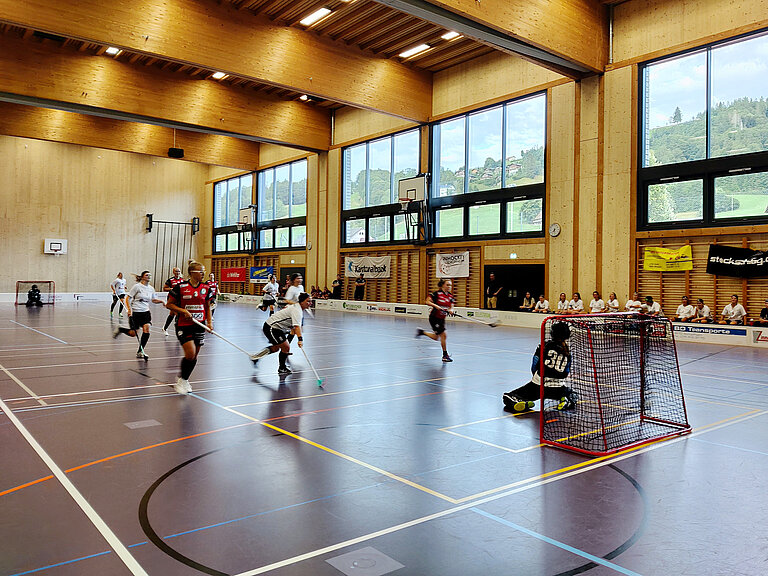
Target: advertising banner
739,262
233,275
453,265
668,259
261,274
369,266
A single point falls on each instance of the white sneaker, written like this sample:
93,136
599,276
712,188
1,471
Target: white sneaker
165,331
182,386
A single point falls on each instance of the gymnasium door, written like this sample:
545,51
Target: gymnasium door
517,279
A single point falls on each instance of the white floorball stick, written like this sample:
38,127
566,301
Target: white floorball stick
319,380
212,331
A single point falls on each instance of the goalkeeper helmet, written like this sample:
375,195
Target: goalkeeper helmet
560,331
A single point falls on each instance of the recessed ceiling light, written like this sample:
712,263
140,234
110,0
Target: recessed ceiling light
315,16
112,51
304,97
415,50
218,75
450,35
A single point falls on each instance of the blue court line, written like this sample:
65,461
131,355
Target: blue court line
63,563
730,447
587,555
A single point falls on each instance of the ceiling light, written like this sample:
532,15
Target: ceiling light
415,50
112,51
450,35
315,16
218,75
304,97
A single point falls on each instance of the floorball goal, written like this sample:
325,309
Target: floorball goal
47,290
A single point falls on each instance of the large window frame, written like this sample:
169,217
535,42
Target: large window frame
706,172
465,204
227,238
364,226
274,231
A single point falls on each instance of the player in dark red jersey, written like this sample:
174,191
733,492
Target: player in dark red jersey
557,366
189,299
441,301
169,284
213,292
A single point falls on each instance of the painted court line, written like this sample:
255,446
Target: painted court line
113,541
587,555
23,386
38,331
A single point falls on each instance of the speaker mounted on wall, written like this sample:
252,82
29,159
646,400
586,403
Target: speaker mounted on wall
176,152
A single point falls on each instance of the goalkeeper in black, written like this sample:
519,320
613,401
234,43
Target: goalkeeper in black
557,365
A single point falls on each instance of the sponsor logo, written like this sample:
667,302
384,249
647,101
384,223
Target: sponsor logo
384,309
410,310
708,330
759,336
400,309
372,307
352,306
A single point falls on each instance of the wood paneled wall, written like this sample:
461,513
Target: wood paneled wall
97,200
402,286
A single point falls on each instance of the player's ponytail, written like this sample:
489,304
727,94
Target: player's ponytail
140,276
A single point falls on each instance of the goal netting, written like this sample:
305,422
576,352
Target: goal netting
625,380
47,290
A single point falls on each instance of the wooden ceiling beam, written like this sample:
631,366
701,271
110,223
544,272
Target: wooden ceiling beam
569,36
214,36
71,128
103,86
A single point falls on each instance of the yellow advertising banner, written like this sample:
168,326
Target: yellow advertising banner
667,259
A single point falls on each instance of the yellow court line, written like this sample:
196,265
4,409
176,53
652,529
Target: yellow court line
336,453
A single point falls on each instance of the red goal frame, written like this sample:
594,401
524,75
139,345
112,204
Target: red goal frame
51,290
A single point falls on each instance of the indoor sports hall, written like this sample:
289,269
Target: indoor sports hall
371,287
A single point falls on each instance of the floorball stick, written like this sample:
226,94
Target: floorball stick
489,324
212,331
319,380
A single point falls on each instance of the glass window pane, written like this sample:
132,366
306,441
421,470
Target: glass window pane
739,89
354,177
675,201
232,242
380,166
245,241
299,236
282,191
525,215
219,205
355,230
485,150
267,195
233,200
741,196
449,222
406,157
299,189
675,107
449,152
266,239
246,185
526,134
401,232
282,237
378,229
484,219
220,243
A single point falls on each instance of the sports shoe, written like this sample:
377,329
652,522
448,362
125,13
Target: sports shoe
514,403
121,314
182,386
447,358
419,332
284,370
165,331
140,354
567,403
115,334
111,314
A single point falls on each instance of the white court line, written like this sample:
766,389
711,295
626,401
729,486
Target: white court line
38,331
367,537
23,386
120,549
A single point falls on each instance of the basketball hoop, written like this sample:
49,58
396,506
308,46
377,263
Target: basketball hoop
55,251
241,226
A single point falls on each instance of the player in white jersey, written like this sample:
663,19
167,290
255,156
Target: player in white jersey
118,293
139,317
279,326
296,288
271,290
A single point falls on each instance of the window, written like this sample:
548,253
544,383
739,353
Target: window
229,196
282,206
488,167
370,183
704,137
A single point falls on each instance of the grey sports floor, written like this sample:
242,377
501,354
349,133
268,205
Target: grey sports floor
399,465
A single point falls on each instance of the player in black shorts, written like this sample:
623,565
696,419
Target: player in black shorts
557,366
441,301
